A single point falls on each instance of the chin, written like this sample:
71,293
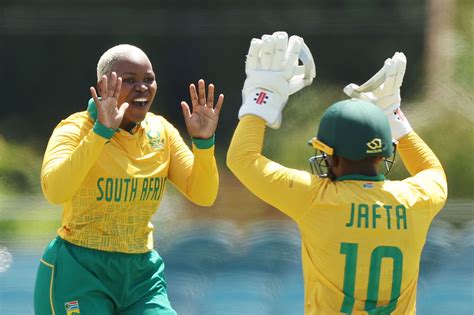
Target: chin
136,117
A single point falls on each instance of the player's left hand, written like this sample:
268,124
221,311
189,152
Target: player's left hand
201,123
383,90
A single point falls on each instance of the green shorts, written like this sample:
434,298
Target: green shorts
75,280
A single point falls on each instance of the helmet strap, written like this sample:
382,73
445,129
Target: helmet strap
390,160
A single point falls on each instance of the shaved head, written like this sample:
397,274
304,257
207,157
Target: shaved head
114,54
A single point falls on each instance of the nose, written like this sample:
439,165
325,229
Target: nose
141,87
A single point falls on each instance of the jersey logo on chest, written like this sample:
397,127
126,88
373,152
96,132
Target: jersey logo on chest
155,140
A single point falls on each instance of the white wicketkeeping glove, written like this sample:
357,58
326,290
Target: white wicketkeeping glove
383,89
273,74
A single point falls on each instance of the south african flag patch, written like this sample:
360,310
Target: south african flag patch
72,308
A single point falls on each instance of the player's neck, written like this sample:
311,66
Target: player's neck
369,173
343,167
346,169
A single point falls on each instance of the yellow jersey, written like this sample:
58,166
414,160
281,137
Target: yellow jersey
111,183
362,237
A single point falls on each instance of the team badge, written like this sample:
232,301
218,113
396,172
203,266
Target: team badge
155,140
72,308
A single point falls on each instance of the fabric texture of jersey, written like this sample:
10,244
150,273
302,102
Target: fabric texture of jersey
110,188
362,237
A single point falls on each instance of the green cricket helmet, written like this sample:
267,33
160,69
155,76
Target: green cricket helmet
353,129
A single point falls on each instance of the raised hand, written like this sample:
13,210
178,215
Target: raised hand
202,122
273,74
383,88
109,113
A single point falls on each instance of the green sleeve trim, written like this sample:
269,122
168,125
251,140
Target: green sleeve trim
204,143
103,131
378,178
92,109
99,129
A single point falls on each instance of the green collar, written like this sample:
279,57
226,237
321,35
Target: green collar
378,178
92,109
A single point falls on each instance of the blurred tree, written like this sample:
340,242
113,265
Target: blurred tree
440,54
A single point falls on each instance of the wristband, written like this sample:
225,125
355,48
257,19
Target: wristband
204,143
103,131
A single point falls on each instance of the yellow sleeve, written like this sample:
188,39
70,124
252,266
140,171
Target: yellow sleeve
194,173
428,176
286,189
69,157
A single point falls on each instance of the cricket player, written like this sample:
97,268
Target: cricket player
108,167
362,235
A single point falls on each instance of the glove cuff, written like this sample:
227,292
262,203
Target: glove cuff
265,104
399,124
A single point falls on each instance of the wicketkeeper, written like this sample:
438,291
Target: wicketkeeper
362,235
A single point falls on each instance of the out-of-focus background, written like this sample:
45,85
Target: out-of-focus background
240,256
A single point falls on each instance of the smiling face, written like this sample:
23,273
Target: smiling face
138,86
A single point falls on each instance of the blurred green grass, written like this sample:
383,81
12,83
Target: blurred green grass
20,166
464,42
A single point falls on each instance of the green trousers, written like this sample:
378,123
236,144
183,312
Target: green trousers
74,280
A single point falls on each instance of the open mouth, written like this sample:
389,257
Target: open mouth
140,102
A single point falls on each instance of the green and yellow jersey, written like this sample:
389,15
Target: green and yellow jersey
362,237
110,184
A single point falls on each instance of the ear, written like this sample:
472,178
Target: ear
335,161
378,160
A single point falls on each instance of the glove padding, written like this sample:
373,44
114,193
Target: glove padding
273,74
383,90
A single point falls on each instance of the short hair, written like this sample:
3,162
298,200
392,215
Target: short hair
111,56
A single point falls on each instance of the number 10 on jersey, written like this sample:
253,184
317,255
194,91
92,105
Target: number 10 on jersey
350,250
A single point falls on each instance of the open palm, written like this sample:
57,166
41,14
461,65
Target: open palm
109,113
201,123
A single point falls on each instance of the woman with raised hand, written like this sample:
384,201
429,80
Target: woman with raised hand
108,167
